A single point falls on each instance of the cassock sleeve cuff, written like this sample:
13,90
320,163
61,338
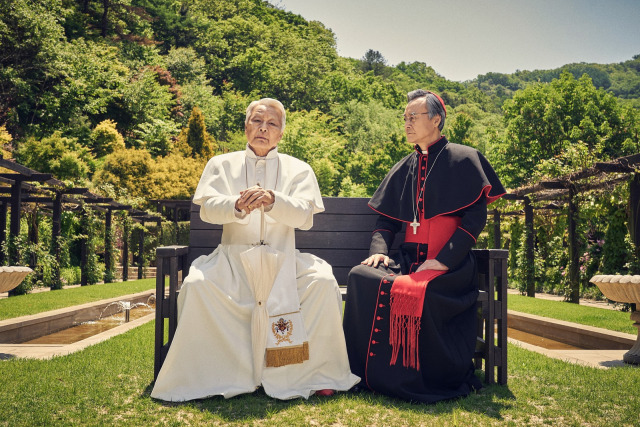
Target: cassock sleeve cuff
297,213
220,210
379,244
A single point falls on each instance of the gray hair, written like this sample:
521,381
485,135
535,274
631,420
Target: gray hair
434,104
268,102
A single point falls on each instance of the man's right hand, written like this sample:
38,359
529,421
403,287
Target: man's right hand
252,198
374,260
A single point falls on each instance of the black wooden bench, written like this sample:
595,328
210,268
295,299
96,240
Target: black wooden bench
341,236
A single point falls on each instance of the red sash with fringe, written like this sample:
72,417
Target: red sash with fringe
408,291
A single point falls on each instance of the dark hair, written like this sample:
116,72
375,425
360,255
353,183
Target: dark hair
435,104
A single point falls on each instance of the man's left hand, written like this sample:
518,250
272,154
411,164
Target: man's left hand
432,264
256,196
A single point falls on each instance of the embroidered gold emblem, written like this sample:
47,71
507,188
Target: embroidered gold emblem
282,330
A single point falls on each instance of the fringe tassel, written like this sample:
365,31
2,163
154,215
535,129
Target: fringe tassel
404,332
287,355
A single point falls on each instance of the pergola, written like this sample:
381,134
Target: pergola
563,190
18,187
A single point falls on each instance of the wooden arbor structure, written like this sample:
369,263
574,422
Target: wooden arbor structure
563,191
18,189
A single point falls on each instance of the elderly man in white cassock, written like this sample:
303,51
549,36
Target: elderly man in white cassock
211,353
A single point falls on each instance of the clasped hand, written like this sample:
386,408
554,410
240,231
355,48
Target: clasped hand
254,197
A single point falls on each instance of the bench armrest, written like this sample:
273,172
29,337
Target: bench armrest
492,281
170,261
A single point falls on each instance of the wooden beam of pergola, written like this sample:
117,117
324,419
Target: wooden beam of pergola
97,200
563,193
180,203
626,165
72,190
40,177
513,196
117,207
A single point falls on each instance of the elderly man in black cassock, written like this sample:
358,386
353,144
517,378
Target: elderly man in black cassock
410,319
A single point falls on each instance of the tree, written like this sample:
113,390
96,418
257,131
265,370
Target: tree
367,124
62,157
194,141
262,50
368,168
311,137
373,61
105,139
175,177
460,128
5,142
30,36
47,82
156,137
189,71
544,120
172,22
125,21
150,95
128,169
186,66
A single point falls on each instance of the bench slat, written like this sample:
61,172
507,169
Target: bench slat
340,205
304,240
321,222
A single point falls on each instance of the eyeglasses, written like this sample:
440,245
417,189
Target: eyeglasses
411,118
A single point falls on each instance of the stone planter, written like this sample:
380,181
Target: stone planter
10,277
623,289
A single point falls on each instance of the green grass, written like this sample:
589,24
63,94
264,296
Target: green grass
585,315
109,384
23,305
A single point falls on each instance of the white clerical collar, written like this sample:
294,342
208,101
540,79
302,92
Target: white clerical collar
270,155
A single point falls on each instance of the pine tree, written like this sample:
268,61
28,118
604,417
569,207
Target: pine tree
194,141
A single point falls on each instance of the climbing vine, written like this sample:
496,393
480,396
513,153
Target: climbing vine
90,228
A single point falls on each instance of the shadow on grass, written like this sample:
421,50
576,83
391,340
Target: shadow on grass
490,401
245,407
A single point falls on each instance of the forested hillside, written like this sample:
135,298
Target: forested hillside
131,97
621,80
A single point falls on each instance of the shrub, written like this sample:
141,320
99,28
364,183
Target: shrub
105,139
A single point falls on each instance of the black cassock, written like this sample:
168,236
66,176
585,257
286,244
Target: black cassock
458,184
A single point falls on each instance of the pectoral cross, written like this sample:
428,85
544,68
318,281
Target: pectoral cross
415,224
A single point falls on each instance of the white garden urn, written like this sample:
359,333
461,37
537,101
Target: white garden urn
10,277
621,288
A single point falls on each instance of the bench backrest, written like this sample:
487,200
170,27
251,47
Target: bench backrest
340,235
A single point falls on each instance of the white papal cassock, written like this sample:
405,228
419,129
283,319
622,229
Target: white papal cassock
211,353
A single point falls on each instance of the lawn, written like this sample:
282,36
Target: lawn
109,384
23,305
593,316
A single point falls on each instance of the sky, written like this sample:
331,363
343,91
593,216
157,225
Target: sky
462,39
